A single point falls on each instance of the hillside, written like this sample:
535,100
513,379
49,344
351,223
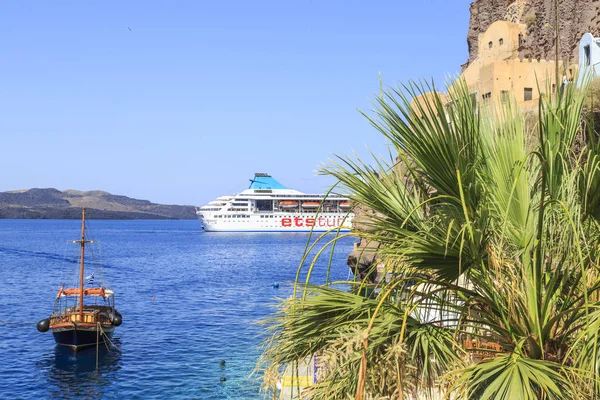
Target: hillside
56,204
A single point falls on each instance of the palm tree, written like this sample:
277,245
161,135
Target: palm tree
488,228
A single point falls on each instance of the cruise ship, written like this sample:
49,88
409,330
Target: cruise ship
268,206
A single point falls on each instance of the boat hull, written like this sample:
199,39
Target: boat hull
80,337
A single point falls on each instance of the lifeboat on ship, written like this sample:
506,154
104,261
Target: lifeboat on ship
310,204
287,204
344,205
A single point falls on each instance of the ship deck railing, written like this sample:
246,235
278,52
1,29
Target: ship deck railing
91,315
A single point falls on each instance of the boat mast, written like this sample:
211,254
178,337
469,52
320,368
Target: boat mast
81,265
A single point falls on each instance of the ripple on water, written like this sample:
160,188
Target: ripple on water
210,290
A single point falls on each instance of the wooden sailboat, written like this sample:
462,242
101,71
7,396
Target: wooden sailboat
74,323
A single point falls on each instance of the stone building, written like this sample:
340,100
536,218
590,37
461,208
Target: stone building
498,73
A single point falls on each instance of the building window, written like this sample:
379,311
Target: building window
487,96
528,94
587,53
501,41
521,40
504,96
491,44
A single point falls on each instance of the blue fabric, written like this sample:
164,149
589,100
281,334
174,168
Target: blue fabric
265,182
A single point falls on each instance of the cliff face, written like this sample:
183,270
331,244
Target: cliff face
483,14
576,17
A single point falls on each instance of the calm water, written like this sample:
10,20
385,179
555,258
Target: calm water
209,288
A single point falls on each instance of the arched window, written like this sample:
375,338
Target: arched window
501,41
491,44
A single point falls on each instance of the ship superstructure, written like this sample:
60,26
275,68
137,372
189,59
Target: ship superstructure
268,206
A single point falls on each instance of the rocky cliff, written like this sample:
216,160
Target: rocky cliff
576,17
56,204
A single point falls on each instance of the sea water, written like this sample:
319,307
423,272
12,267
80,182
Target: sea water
189,299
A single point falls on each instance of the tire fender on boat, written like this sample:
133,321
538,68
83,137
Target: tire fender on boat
43,325
116,319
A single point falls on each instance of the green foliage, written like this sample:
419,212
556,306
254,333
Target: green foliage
592,100
513,376
489,229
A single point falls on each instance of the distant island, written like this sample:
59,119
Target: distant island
56,204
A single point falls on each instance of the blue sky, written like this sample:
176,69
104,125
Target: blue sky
199,95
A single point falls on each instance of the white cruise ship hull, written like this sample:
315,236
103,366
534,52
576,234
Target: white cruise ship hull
280,223
268,206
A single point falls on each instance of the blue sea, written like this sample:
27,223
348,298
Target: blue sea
189,299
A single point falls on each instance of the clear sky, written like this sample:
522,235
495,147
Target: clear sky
182,101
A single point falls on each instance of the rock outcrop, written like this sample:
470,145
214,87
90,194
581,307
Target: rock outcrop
363,258
576,17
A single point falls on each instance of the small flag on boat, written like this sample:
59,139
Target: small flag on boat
90,279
